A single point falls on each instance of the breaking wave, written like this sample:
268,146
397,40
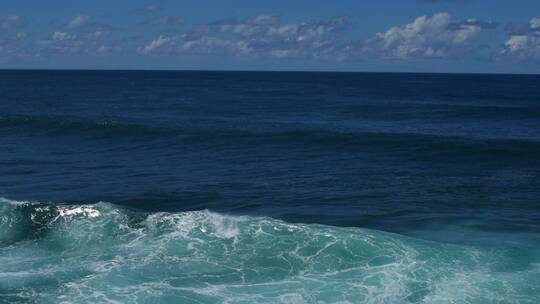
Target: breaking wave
52,253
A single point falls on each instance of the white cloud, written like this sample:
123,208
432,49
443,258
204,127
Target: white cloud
288,30
61,36
266,36
155,44
263,36
436,36
517,43
207,44
61,42
65,42
425,37
525,45
535,23
77,21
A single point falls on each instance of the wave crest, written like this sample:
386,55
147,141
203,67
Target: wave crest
104,253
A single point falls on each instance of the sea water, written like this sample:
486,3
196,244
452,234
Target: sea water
246,187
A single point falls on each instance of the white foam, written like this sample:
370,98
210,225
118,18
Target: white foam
85,211
16,203
63,211
224,227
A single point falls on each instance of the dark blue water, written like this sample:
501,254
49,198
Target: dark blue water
241,187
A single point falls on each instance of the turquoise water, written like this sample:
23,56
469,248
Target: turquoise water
106,253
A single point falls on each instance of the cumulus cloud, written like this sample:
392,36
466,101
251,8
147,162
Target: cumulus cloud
436,36
524,44
261,36
426,37
94,39
68,43
155,44
77,22
60,42
487,25
267,36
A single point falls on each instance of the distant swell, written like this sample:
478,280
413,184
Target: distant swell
234,133
105,253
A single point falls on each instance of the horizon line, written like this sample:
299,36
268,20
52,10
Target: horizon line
259,71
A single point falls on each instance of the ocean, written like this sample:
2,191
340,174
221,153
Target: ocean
269,187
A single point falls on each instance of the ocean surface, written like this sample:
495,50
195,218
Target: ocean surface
269,187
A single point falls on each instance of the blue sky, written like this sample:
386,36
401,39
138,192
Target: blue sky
349,35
